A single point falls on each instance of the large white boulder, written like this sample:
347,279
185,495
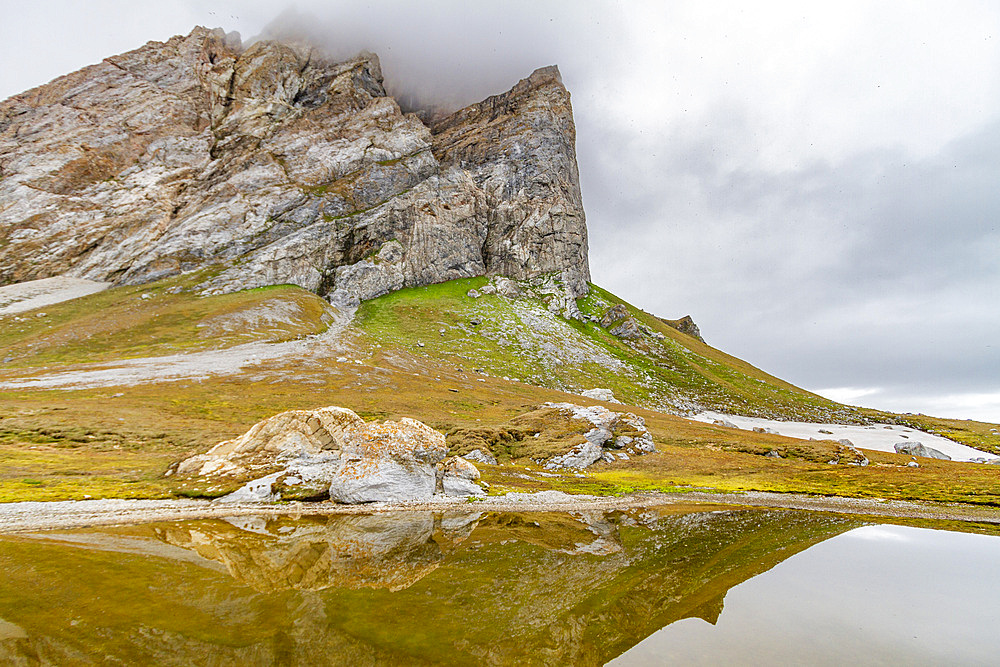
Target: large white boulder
308,453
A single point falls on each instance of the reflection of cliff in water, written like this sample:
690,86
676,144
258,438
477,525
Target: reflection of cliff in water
537,588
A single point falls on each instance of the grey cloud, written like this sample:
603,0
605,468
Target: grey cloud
441,54
877,270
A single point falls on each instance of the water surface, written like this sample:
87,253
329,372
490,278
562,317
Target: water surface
643,587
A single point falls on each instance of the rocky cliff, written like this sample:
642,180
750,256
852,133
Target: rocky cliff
278,165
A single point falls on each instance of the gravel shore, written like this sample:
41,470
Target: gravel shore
34,516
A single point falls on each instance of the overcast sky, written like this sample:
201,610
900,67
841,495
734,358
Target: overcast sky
818,187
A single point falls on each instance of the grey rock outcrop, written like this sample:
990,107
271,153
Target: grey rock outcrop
581,456
622,431
686,325
919,449
599,394
282,166
619,322
332,451
614,315
459,477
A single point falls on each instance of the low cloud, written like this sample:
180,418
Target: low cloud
438,54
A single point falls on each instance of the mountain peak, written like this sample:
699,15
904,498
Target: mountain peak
276,164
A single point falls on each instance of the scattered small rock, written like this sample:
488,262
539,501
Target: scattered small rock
479,456
627,329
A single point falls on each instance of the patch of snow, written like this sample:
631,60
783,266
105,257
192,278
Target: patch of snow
879,439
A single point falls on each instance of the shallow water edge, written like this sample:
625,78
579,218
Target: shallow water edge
31,516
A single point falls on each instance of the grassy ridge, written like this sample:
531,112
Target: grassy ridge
521,339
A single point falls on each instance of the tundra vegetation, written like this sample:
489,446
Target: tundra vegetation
261,194
477,369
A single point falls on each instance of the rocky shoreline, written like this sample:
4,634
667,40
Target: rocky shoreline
37,516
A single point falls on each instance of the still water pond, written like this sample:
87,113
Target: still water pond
667,586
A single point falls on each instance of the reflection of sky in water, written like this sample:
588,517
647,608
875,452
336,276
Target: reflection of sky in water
874,595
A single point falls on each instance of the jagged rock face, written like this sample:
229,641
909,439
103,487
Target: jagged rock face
520,148
282,167
685,325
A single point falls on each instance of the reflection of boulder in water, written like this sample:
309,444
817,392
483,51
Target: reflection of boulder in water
576,533
391,550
